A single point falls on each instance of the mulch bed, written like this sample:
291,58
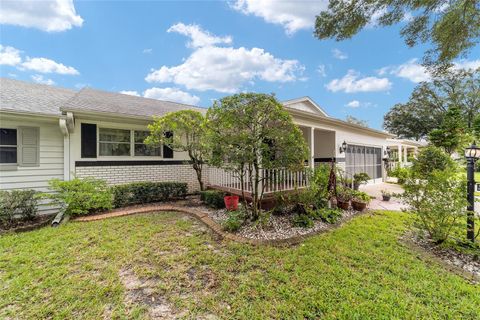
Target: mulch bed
465,264
22,226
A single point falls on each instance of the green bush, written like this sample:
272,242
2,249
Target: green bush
329,215
302,220
21,204
234,221
147,192
430,159
437,202
80,196
213,198
360,196
400,173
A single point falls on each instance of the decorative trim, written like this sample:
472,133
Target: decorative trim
329,159
116,163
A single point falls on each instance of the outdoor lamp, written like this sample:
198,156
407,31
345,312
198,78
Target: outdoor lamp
472,153
343,147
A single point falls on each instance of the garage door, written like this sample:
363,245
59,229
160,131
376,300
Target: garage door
363,159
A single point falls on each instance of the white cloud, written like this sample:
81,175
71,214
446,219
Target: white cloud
130,93
44,65
9,56
147,50
171,94
292,15
199,38
353,104
51,16
352,82
337,54
38,78
226,69
411,70
467,64
321,70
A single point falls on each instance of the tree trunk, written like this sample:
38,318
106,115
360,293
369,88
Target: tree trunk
198,170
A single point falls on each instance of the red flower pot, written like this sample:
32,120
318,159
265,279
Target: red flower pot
231,202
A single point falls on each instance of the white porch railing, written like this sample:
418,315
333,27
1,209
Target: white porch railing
272,180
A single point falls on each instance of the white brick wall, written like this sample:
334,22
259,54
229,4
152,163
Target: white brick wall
155,173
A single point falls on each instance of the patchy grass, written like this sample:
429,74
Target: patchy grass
358,271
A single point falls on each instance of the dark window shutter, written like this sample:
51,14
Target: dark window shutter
167,151
89,140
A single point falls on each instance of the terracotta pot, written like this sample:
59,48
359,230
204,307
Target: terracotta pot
386,198
344,205
359,206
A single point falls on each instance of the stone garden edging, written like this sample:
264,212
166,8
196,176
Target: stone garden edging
209,222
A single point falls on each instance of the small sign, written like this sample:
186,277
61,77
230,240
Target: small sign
478,186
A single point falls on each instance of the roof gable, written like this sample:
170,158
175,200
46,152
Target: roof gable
305,104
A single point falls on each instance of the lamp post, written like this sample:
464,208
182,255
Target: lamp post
472,153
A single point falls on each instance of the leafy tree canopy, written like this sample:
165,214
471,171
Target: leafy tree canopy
452,27
429,102
187,130
354,120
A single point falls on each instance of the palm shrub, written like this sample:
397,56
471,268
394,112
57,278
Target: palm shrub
80,196
437,202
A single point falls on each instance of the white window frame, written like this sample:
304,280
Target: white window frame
132,155
13,165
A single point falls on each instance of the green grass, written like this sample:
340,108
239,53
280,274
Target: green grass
359,271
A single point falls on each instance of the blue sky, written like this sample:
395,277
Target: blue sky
194,52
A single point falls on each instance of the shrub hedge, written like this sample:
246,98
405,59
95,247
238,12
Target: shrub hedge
20,204
213,198
146,192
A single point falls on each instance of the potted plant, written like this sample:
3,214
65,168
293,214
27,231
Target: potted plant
231,202
360,200
360,178
386,195
344,195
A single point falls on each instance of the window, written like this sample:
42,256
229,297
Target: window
141,149
114,142
8,146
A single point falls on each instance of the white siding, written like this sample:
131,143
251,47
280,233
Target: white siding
51,159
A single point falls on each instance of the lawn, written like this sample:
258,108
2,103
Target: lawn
89,271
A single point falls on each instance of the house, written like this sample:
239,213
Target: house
49,132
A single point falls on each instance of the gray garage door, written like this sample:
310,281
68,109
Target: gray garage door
363,159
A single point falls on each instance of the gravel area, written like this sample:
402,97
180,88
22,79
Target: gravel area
467,262
277,226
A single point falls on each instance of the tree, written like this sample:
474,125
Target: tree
359,122
430,101
251,132
452,27
431,159
187,130
452,133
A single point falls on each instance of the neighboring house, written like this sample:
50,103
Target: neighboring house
48,132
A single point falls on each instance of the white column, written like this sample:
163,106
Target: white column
312,148
400,159
405,155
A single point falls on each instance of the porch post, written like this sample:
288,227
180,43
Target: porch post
312,148
400,160
405,155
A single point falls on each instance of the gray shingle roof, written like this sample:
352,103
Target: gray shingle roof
20,96
93,100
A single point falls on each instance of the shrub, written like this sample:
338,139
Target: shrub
234,221
359,178
302,220
437,202
360,196
430,159
213,198
20,204
80,196
147,192
329,215
401,174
